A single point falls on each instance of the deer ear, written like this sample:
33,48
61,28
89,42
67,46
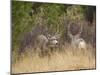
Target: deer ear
77,35
48,36
58,36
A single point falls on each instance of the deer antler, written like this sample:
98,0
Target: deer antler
69,33
80,31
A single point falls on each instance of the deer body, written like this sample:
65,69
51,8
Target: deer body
45,43
76,40
78,43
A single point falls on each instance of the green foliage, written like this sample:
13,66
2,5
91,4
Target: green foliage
53,16
75,12
20,19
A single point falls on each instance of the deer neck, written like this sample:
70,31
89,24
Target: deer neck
74,40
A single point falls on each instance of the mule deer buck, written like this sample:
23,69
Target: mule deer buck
76,40
46,44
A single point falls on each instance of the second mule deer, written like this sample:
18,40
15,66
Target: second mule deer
76,40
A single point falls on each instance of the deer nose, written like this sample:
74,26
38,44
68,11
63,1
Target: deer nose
55,42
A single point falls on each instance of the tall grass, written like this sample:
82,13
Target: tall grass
68,59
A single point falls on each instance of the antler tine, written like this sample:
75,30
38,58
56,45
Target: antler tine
81,28
69,33
80,31
68,28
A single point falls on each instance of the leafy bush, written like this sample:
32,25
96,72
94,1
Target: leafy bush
55,17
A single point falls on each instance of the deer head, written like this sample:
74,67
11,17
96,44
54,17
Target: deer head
54,40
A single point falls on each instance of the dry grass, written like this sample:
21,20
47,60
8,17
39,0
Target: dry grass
65,60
